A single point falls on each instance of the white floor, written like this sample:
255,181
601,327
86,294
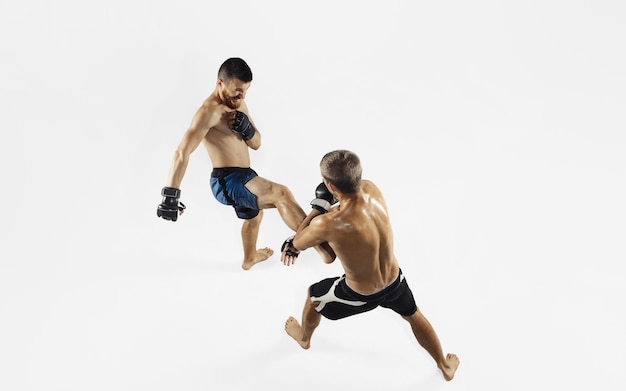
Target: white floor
496,134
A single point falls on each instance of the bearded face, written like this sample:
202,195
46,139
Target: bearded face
233,92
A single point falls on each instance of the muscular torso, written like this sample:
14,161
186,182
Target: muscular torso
362,238
225,148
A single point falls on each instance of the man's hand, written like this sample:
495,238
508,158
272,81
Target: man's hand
288,252
324,199
169,208
243,126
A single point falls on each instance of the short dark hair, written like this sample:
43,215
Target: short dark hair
235,68
343,169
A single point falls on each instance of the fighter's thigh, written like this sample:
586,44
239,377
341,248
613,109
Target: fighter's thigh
268,193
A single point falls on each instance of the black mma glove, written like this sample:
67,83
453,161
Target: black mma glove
170,206
323,198
291,250
243,126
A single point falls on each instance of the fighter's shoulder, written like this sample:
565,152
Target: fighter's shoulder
211,105
209,111
323,222
369,186
372,191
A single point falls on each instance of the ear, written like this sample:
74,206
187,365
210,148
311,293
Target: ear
331,187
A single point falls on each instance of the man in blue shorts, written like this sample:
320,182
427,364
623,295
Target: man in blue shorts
223,125
359,231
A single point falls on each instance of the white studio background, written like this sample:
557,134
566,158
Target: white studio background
496,130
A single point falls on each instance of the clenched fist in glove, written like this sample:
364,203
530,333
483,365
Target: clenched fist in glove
324,199
170,206
243,126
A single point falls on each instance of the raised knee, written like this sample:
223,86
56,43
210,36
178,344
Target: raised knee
277,189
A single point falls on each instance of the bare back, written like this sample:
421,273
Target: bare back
360,233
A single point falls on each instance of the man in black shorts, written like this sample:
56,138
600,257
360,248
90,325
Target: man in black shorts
359,232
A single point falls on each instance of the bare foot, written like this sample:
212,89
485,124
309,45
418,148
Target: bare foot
449,366
292,327
260,256
326,252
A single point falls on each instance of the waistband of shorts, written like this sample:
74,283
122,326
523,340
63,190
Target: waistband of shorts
389,288
221,172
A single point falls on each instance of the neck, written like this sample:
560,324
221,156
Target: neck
346,198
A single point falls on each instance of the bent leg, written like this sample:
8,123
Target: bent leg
249,235
427,338
310,320
274,195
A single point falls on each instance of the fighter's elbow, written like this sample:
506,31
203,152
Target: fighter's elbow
180,157
254,144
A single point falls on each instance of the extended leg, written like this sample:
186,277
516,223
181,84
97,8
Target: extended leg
310,320
427,338
274,195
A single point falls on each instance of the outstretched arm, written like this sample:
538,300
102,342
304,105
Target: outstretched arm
170,208
202,121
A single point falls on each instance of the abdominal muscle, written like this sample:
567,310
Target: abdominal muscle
226,149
